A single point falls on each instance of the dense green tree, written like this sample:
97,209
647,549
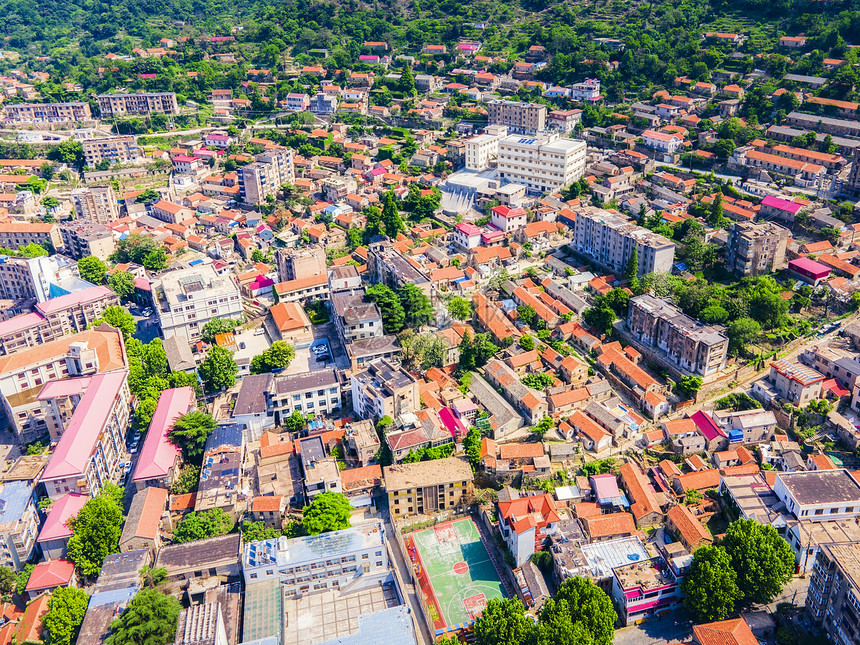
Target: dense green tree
32,250
190,432
205,524
710,588
600,318
217,326
587,604
148,196
276,357
762,559
472,446
92,269
7,581
417,308
740,332
95,534
295,422
134,248
23,578
69,152
152,577
144,413
187,481
122,284
255,531
391,216
118,317
390,306
503,620
149,619
373,223
327,512
155,260
66,609
422,351
460,308
632,269
688,386
218,370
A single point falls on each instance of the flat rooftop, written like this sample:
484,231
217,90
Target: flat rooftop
645,575
602,557
427,473
847,557
821,486
311,548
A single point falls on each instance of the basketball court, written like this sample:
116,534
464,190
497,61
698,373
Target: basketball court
462,578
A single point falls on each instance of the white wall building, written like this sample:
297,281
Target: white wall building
542,162
588,90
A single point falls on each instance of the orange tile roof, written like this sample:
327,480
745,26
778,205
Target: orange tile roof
604,526
520,451
688,525
725,632
266,503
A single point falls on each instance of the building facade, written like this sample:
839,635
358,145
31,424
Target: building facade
382,390
756,249
85,238
47,112
114,149
16,234
525,118
265,176
95,204
317,392
542,162
833,599
427,486
144,103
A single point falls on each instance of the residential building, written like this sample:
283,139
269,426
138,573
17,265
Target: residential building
793,382
524,118
143,103
542,162
56,531
253,407
210,557
143,522
85,238
47,112
95,204
354,316
691,345
24,374
221,474
508,220
645,589
381,389
564,120
186,299
19,523
833,597
41,278
297,102
16,234
427,486
833,360
202,624
87,455
169,212
525,524
55,317
319,392
586,92
668,142
609,239
337,559
362,441
114,149
265,176
303,290
299,263
466,236
756,248
748,426
387,265
321,472
819,495
159,460
322,103
681,522
483,149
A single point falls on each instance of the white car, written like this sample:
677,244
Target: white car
259,332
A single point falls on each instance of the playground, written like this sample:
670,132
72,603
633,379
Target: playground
454,571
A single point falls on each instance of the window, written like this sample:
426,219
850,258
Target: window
819,511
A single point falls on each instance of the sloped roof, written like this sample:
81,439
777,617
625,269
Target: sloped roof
159,454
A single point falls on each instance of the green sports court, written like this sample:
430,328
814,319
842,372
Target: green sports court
461,573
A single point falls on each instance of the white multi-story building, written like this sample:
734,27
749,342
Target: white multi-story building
19,523
270,170
384,390
819,495
669,142
542,162
96,204
588,90
189,298
117,105
298,102
609,240
317,392
484,148
319,563
115,149
40,278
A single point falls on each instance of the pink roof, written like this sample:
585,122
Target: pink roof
63,302
451,422
51,574
142,283
261,283
158,454
19,323
61,512
816,269
491,235
79,440
605,486
63,388
468,228
186,158
506,212
706,426
781,204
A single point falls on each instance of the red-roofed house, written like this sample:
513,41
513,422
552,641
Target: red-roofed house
725,632
47,576
29,630
269,509
525,522
55,532
142,526
687,528
508,219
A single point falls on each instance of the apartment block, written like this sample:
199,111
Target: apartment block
115,149
298,263
265,176
16,234
19,523
482,150
691,345
95,204
317,392
40,278
382,389
185,300
318,563
833,599
119,105
609,240
85,238
756,249
427,486
524,118
55,317
354,317
87,455
543,162
792,382
387,265
47,112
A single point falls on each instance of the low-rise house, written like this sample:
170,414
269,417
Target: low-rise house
687,528
211,557
47,576
142,524
525,523
56,531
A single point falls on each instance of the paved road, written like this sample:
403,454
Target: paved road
676,627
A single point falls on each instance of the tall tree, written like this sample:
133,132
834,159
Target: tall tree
118,317
190,432
218,370
504,621
202,525
278,356
393,316
632,269
327,512
710,588
66,609
122,284
373,225
149,619
587,604
416,305
460,308
95,534
92,269
761,557
391,216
